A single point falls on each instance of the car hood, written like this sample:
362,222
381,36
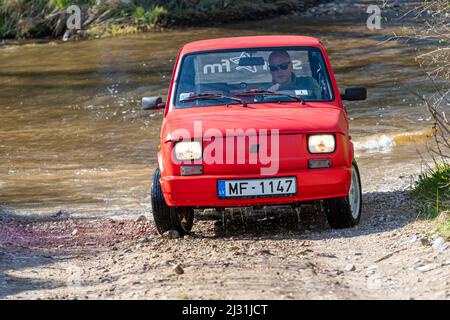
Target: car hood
286,118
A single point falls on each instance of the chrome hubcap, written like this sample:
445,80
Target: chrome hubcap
354,194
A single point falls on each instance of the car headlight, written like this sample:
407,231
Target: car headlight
321,143
188,150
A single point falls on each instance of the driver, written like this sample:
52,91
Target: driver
283,77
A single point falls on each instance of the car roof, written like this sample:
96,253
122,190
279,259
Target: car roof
250,42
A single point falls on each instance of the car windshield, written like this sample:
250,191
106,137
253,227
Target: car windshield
292,74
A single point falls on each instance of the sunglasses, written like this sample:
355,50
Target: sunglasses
281,66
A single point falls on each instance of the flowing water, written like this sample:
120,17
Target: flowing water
73,137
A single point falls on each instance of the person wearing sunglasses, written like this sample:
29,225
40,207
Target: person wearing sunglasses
280,66
283,77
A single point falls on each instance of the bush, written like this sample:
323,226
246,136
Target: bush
151,17
433,187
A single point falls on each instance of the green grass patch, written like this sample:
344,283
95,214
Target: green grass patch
433,192
110,30
443,227
63,4
148,19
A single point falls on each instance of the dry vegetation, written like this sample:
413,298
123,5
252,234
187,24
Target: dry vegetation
433,187
47,18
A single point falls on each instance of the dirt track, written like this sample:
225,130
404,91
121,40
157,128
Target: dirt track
269,255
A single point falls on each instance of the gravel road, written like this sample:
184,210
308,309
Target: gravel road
274,254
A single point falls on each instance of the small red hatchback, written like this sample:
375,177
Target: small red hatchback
254,121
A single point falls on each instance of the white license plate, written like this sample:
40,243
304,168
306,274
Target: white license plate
257,187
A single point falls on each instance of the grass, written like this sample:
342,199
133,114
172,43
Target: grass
63,4
183,296
443,227
433,192
111,30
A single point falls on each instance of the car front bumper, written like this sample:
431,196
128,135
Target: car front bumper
201,190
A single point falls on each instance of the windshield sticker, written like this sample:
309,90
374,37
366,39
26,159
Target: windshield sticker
231,64
185,95
301,92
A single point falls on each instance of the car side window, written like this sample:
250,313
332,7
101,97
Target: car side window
320,76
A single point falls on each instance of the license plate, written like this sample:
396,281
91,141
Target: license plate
257,187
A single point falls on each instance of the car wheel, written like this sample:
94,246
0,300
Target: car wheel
169,218
345,212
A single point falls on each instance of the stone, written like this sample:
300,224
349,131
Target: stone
75,232
171,234
60,214
372,270
439,245
178,269
141,218
350,267
425,241
426,267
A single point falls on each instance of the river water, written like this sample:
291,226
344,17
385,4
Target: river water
73,137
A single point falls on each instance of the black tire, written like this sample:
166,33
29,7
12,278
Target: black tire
169,218
339,210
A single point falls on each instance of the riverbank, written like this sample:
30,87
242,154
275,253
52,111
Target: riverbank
269,256
118,18
47,18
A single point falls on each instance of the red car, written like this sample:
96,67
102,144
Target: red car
254,121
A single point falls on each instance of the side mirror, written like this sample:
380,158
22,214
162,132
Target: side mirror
354,94
149,103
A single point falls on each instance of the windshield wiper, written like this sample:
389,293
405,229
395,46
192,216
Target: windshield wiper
212,96
257,92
